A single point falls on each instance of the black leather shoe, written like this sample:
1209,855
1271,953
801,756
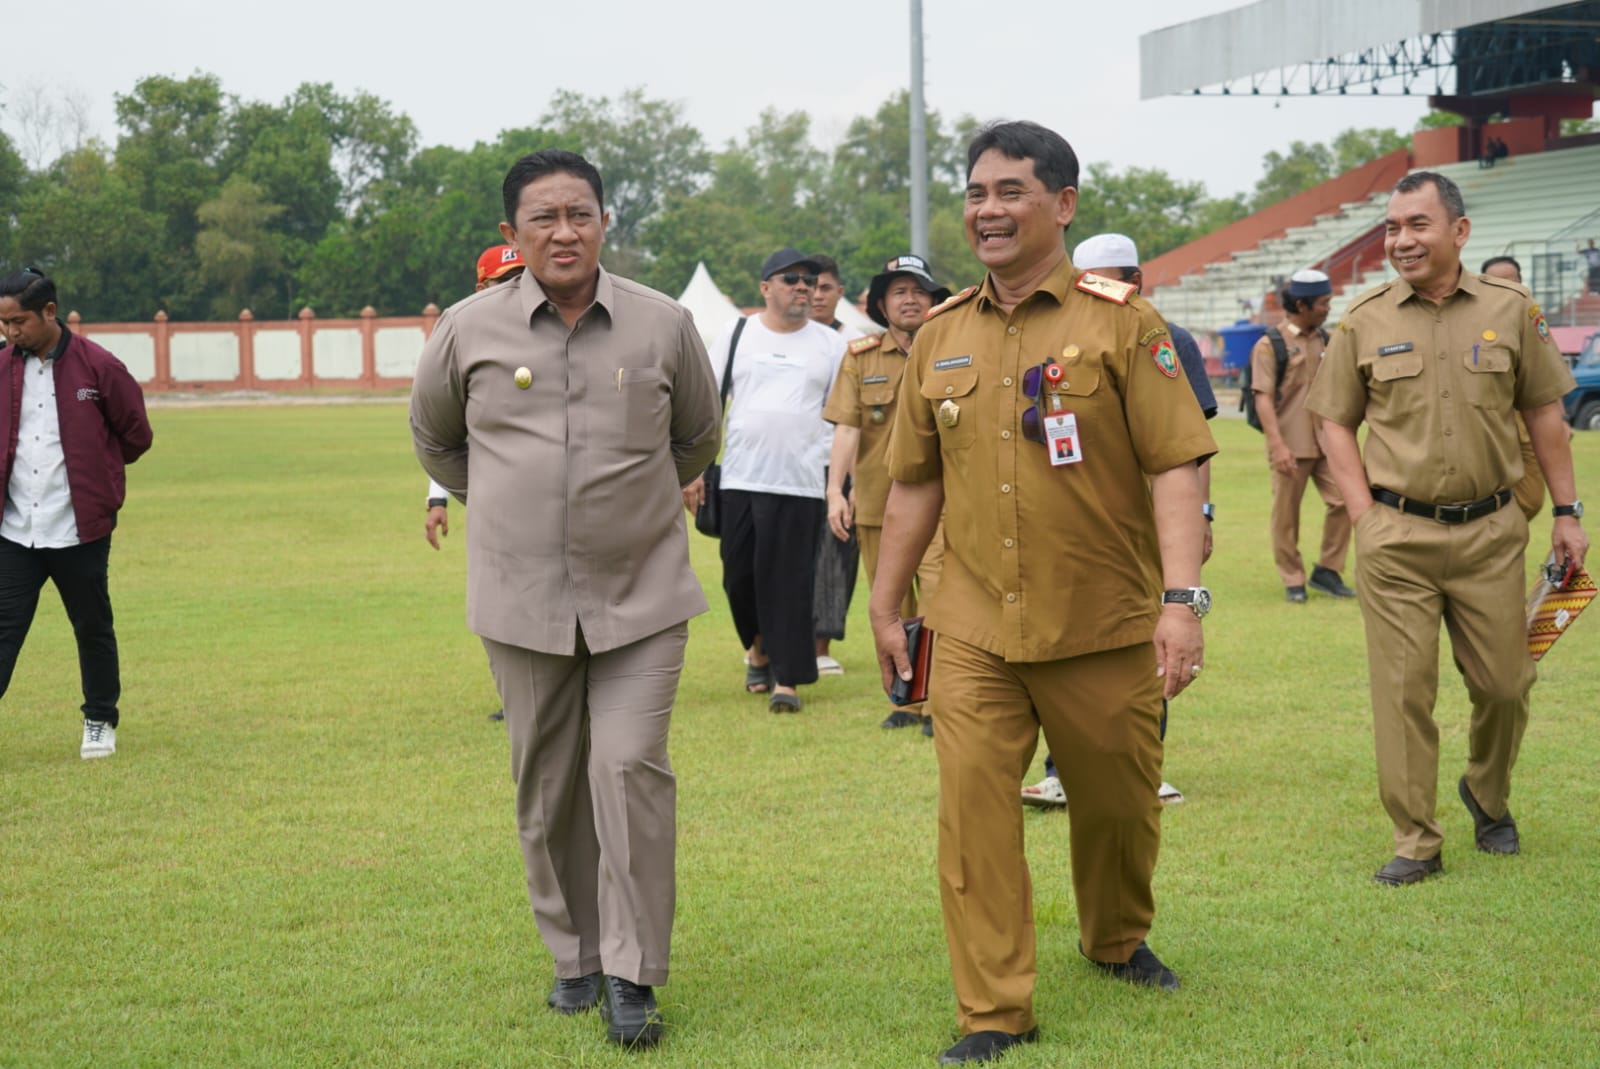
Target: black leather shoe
1144,968
982,1047
1403,870
575,995
1294,594
901,719
927,726
1328,581
1494,836
498,714
632,1018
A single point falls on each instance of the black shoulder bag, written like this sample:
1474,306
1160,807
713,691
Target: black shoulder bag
708,517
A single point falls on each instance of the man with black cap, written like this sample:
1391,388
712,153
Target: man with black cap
775,369
1294,436
861,406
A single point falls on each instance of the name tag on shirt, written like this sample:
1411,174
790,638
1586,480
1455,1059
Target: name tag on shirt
1061,438
951,362
1390,350
874,380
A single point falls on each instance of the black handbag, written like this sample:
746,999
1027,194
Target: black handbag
708,517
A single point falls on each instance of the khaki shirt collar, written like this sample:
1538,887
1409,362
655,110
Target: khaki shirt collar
534,300
1469,283
1056,284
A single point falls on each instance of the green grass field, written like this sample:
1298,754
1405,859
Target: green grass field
303,853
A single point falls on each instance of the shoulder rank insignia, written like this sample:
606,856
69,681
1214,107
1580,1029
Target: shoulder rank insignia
1166,358
950,302
866,343
1107,289
1151,335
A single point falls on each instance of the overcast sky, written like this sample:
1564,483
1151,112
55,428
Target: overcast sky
463,72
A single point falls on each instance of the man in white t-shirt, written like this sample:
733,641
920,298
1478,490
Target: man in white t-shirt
773,488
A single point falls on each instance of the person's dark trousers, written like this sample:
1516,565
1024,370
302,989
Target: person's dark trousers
79,573
769,550
837,565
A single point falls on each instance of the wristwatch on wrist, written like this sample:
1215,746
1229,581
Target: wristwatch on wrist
438,502
1198,598
1575,510
1209,511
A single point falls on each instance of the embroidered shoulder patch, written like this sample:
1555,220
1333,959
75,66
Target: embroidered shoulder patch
866,344
950,302
1166,358
1151,335
1106,289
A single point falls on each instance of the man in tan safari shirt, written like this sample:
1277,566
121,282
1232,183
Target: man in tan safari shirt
1437,362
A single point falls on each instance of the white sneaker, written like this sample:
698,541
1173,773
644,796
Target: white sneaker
827,666
99,739
1169,794
1046,794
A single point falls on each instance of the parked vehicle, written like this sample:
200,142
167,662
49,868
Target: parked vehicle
1583,403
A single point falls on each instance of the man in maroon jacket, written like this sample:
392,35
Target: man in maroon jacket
71,417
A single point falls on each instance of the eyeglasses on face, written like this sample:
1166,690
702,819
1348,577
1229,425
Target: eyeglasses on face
795,278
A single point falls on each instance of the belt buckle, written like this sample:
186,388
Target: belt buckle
1451,514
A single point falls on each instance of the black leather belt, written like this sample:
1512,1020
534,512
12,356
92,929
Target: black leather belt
1444,513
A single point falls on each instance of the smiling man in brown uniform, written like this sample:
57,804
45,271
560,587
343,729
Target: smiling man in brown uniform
861,405
1049,610
1436,363
574,405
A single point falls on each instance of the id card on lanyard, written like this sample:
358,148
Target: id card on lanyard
1061,438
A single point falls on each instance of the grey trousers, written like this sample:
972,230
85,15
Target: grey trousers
596,799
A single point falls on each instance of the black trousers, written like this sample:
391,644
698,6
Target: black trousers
769,552
79,573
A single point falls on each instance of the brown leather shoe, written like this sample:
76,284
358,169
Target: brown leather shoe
1403,870
1494,836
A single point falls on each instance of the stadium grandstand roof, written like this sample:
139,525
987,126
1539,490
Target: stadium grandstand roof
1376,47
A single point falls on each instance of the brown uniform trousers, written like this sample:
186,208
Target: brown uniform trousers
1101,715
1288,491
1411,571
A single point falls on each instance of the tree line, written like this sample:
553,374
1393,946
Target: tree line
208,204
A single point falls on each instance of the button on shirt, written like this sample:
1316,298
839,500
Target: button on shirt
1437,383
1045,562
38,509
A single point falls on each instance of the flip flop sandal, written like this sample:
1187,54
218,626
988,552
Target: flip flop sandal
784,703
758,678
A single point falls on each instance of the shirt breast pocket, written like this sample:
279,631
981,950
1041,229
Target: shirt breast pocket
953,397
645,408
1491,384
877,403
1397,380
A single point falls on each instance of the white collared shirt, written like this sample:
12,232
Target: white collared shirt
38,509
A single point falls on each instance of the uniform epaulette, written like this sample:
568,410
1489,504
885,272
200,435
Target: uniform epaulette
1505,283
950,302
1374,292
866,343
1106,289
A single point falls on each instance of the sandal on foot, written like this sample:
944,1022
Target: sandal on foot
758,678
784,703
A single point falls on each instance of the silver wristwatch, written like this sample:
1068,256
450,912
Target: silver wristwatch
1198,598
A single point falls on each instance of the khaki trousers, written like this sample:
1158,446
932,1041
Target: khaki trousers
1100,714
1287,493
870,539
596,799
1412,573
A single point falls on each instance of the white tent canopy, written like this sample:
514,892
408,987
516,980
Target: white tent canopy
707,303
851,316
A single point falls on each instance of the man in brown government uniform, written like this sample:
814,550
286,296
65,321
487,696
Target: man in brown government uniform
861,406
1437,362
1046,413
1294,441
574,404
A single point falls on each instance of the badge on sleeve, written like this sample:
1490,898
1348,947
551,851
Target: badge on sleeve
1166,358
1061,438
1538,322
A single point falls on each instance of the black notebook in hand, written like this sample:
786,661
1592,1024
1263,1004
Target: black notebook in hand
919,648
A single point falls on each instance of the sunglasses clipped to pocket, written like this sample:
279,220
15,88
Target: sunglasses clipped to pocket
1051,426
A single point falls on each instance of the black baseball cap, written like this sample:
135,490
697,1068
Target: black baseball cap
786,258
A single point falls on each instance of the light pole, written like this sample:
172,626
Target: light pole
919,140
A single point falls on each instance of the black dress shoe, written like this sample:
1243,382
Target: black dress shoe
1403,870
901,719
1144,968
498,714
1294,594
927,726
1494,836
1328,581
632,1017
982,1047
575,994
